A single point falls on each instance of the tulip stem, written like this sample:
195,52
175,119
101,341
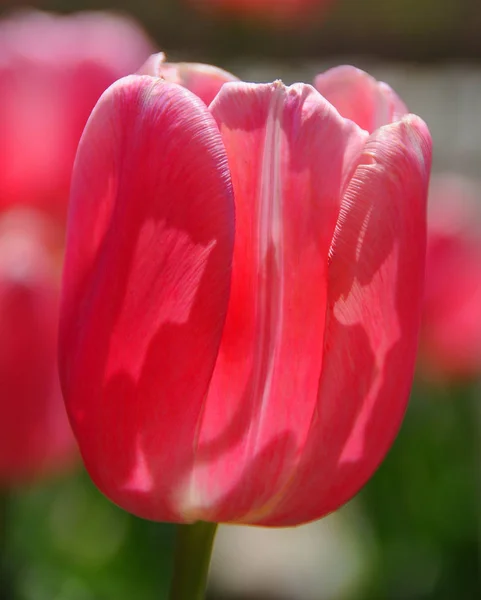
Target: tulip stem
193,550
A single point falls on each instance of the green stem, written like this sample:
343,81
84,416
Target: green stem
193,550
5,574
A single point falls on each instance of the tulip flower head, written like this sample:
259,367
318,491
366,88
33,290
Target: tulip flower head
242,293
53,69
451,330
35,436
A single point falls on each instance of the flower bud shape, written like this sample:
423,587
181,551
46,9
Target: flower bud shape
451,326
241,296
53,70
35,436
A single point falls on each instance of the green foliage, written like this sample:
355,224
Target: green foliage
68,542
424,501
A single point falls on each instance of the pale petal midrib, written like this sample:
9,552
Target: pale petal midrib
270,234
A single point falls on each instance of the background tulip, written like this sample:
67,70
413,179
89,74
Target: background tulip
260,383
52,71
273,11
451,332
35,436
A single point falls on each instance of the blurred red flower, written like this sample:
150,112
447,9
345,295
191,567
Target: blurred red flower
52,71
35,436
281,12
451,330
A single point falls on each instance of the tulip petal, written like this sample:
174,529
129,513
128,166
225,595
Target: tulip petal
202,80
146,286
359,97
376,276
289,155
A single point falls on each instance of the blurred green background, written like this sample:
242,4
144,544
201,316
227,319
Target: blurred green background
414,532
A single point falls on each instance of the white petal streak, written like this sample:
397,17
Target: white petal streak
270,237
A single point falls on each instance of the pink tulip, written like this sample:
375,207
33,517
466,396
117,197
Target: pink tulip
451,331
272,11
52,71
241,298
35,436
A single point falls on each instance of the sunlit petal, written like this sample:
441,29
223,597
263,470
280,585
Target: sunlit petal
146,286
290,155
375,276
359,97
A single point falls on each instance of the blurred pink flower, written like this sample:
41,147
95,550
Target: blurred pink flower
451,329
35,435
52,71
281,12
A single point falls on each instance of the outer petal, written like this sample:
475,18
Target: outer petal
376,276
204,81
289,155
35,435
146,285
359,97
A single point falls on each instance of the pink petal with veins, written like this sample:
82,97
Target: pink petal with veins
146,286
375,283
290,155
